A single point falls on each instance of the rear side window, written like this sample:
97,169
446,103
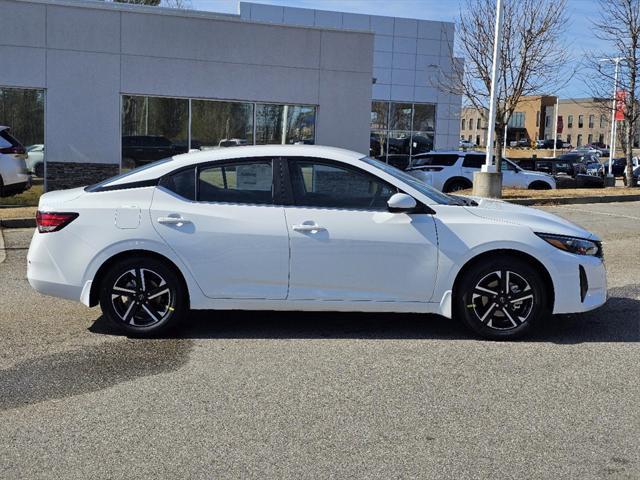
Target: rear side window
473,161
182,183
317,183
241,182
436,160
7,140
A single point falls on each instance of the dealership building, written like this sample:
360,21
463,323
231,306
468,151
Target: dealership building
108,86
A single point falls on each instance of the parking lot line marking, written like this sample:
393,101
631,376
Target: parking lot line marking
3,255
599,213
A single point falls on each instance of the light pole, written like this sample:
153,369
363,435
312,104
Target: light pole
488,182
610,180
555,130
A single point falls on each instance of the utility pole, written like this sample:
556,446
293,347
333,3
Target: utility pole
488,182
610,180
555,130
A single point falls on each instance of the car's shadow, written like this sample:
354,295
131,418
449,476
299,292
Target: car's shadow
617,321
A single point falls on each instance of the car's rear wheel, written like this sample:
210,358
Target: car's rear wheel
39,170
456,184
143,297
539,185
501,298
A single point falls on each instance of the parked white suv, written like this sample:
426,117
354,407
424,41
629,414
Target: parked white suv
453,170
14,176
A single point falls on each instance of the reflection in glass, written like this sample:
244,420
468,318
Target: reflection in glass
22,110
153,128
399,130
301,121
378,144
269,124
400,116
379,115
220,124
400,142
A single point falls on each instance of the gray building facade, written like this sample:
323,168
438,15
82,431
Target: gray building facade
121,85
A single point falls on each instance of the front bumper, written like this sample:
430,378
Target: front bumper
570,298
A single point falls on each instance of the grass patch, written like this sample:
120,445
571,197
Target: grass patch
508,193
25,199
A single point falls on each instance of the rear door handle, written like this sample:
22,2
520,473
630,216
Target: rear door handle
308,227
173,220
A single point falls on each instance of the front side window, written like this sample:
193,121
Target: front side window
316,183
239,182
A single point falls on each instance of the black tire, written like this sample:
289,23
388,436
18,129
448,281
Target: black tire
539,185
39,170
456,184
143,308
497,317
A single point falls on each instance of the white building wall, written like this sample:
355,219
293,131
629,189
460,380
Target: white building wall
86,55
409,56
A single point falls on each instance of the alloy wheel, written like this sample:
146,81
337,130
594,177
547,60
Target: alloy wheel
141,297
502,300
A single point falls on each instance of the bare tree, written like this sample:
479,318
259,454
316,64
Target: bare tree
618,24
532,55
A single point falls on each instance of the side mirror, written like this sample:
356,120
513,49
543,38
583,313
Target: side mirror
401,203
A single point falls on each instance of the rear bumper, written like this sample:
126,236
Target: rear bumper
16,188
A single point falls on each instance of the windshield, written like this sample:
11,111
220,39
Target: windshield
427,190
92,188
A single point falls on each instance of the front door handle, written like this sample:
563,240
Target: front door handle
308,227
173,220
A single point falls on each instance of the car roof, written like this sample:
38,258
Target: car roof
2,127
232,153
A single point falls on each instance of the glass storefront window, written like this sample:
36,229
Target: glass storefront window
22,110
399,130
400,116
269,124
301,124
424,119
217,124
153,128
159,127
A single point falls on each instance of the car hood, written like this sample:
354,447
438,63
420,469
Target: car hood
538,220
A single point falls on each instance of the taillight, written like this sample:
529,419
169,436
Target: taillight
53,221
19,150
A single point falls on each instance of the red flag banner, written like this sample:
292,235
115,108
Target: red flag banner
621,98
560,124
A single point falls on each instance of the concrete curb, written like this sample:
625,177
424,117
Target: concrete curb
574,200
18,223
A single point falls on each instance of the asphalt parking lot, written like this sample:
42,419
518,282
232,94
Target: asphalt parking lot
299,395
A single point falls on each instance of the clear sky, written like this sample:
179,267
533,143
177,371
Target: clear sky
578,30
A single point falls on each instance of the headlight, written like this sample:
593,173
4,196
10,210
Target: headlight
579,246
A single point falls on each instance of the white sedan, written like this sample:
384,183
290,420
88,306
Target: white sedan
306,228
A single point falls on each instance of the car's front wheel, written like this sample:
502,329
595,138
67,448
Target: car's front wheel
143,297
501,298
